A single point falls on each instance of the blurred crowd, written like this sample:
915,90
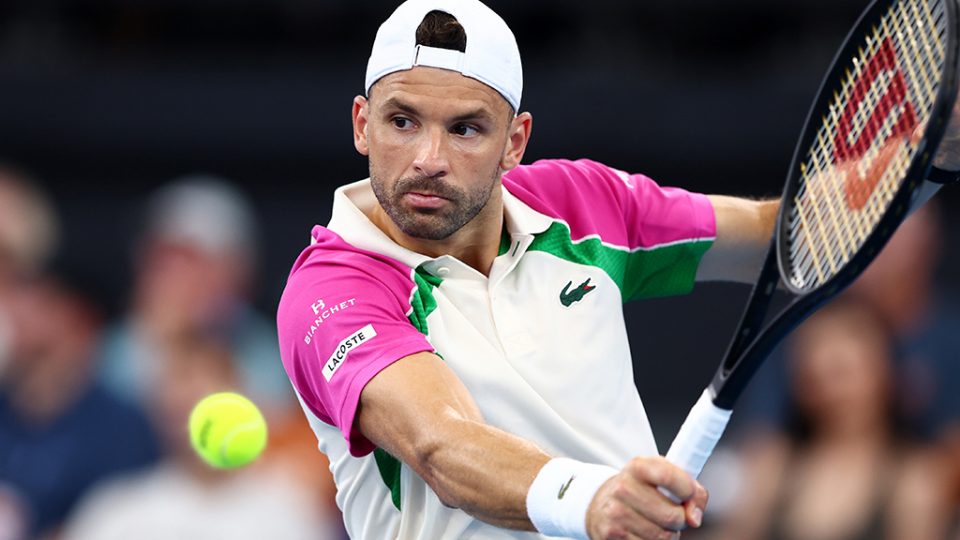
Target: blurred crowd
852,432
93,409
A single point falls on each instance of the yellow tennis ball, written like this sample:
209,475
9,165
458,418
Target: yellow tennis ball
227,430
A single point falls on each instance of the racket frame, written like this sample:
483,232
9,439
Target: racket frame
751,346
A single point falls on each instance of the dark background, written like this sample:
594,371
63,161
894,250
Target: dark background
105,100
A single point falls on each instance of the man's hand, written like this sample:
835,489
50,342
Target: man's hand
629,505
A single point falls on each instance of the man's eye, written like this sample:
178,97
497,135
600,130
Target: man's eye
465,130
400,122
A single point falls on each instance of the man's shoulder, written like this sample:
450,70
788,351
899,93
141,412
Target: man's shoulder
572,191
569,183
331,264
329,252
582,169
545,172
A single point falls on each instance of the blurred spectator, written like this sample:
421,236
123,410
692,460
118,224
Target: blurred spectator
60,431
194,266
184,498
901,286
28,225
946,467
833,474
927,499
28,237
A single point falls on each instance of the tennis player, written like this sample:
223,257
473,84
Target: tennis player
455,333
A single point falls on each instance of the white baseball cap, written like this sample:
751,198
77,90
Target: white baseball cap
206,212
491,56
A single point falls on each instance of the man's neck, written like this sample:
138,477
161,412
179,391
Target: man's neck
476,244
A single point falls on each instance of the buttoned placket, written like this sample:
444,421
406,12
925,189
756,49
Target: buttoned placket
509,323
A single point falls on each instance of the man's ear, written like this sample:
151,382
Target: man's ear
360,112
518,136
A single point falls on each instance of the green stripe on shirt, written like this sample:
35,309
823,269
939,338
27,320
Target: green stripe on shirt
644,273
422,304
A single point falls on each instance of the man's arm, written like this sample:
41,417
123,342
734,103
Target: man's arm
744,229
419,411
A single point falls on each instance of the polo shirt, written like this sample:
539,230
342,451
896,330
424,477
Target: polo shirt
540,343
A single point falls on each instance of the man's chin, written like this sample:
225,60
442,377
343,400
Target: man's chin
426,233
425,227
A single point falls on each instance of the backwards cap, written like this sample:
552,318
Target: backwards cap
491,56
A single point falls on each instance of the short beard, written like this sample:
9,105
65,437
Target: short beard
432,224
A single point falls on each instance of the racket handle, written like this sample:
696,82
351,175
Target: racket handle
697,437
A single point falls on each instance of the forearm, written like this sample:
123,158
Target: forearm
744,229
483,471
419,412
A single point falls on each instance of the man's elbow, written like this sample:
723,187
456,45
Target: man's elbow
432,456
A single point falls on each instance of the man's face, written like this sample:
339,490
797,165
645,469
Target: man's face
436,143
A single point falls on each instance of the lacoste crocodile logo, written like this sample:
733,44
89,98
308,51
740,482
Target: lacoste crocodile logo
563,490
567,298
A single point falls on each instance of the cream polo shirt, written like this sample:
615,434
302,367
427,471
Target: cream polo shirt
540,344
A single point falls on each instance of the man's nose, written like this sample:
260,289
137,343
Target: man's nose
431,159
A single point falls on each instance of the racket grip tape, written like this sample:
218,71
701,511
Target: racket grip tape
697,437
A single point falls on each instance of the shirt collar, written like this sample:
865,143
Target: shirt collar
521,219
350,221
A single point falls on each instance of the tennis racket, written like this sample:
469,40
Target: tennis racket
867,147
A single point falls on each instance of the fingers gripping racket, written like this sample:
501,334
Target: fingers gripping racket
868,144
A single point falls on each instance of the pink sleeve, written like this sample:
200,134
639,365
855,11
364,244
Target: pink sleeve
648,238
626,210
343,318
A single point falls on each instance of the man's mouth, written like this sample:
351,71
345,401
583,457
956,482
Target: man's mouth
424,200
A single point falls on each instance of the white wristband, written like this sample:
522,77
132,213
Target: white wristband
561,493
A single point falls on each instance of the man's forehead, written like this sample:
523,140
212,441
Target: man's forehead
426,83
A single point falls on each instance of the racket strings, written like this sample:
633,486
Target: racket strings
843,223
866,141
865,102
859,121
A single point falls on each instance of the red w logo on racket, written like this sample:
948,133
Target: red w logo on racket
873,115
